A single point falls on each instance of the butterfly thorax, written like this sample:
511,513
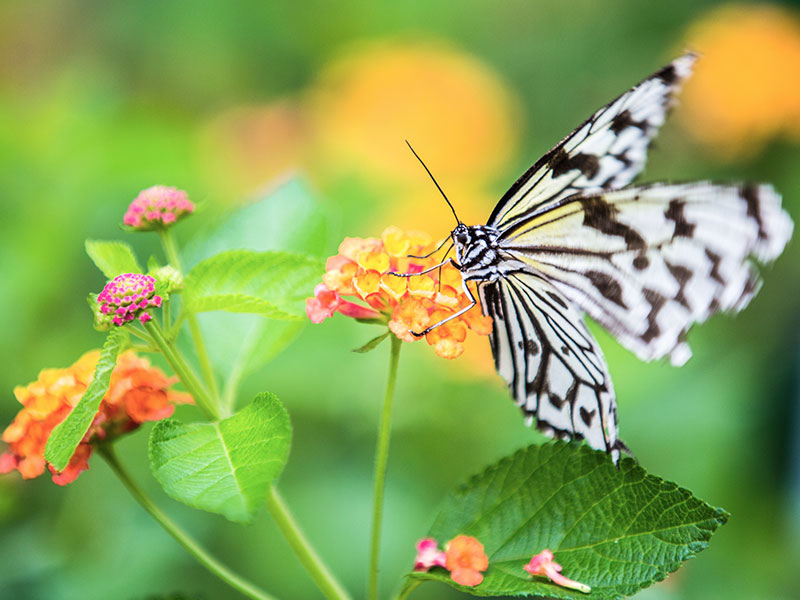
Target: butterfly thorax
477,251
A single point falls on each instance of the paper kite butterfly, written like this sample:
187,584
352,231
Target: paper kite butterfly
646,262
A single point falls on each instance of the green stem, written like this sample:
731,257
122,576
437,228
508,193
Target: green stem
183,371
302,548
165,315
191,546
171,252
381,458
136,332
409,586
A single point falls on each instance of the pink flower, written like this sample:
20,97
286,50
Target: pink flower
126,297
542,564
428,555
326,302
157,206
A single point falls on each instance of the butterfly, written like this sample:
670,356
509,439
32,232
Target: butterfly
569,239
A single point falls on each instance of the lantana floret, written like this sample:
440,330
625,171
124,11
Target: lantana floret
466,559
157,207
542,564
429,555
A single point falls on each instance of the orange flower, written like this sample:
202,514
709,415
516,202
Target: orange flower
746,88
137,393
465,559
362,269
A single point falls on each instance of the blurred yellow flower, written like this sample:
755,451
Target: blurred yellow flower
746,88
452,107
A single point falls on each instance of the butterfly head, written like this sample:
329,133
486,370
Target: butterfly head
476,249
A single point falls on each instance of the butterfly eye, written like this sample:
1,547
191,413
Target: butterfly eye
462,237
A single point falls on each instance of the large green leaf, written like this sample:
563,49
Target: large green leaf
223,467
68,434
273,284
112,258
614,530
287,217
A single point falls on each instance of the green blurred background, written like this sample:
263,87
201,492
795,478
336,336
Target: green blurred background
101,99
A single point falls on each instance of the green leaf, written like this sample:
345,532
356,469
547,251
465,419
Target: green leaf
617,531
225,467
241,343
273,284
112,258
372,344
287,217
68,434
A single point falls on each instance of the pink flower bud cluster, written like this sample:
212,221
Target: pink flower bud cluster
157,206
127,296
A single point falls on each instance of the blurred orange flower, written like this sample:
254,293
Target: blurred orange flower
137,393
746,88
363,269
465,559
455,110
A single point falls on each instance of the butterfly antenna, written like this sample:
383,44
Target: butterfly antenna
441,191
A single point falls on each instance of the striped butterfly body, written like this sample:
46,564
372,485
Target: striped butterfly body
645,262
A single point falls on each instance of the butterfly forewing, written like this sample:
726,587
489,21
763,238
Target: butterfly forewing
649,262
605,152
553,366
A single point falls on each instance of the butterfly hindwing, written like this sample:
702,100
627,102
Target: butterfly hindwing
648,262
553,366
606,152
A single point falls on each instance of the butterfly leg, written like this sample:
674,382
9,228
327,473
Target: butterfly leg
472,302
433,268
429,254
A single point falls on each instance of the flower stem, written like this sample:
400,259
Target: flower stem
174,259
191,546
183,371
302,548
381,458
409,586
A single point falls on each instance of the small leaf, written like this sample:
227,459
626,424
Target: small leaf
112,258
223,467
617,531
373,343
273,284
372,321
69,433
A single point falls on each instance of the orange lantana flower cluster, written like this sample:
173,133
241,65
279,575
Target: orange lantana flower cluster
363,269
138,392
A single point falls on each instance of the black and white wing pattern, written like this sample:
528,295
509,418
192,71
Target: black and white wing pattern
648,262
553,366
606,152
645,262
